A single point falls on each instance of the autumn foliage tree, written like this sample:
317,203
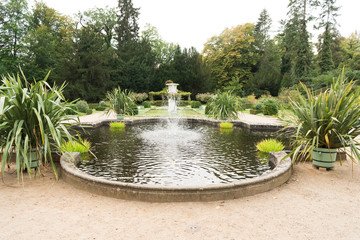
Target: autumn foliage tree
232,54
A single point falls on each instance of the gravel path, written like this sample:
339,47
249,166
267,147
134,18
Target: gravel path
312,205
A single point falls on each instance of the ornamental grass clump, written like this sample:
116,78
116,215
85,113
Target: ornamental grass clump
223,106
82,146
121,102
117,126
269,145
226,125
329,120
33,121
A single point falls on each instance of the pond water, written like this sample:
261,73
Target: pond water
173,153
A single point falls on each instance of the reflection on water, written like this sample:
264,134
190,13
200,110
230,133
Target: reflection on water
173,154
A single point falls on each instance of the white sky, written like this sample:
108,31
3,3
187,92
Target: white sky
193,22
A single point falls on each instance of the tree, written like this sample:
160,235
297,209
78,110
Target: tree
13,28
297,58
127,27
328,21
102,20
232,54
47,29
267,76
351,51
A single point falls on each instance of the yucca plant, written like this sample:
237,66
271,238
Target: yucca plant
32,121
223,106
270,145
328,120
121,102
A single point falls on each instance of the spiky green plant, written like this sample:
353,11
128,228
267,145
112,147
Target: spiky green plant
82,146
270,145
226,125
117,125
121,102
224,106
32,118
328,120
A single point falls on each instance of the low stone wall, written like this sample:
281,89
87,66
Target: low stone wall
153,193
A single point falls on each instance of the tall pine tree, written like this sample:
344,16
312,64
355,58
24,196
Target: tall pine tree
328,21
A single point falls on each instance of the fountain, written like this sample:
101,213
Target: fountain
175,159
172,91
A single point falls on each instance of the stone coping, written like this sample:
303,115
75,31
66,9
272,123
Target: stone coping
157,193
270,127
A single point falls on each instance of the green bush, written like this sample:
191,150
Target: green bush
89,111
135,110
146,104
183,103
82,106
195,104
158,103
269,145
72,110
99,108
245,103
259,106
270,106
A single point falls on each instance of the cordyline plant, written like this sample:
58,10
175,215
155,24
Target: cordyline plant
32,119
223,106
121,102
330,120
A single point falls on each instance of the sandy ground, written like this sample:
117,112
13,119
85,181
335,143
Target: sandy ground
313,204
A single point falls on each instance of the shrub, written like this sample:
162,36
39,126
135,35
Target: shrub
203,97
158,103
245,103
117,125
89,111
269,145
99,108
259,106
226,125
72,110
224,106
32,118
270,106
103,104
146,104
82,106
183,103
135,110
195,104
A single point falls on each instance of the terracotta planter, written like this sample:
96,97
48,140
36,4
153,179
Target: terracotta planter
324,157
